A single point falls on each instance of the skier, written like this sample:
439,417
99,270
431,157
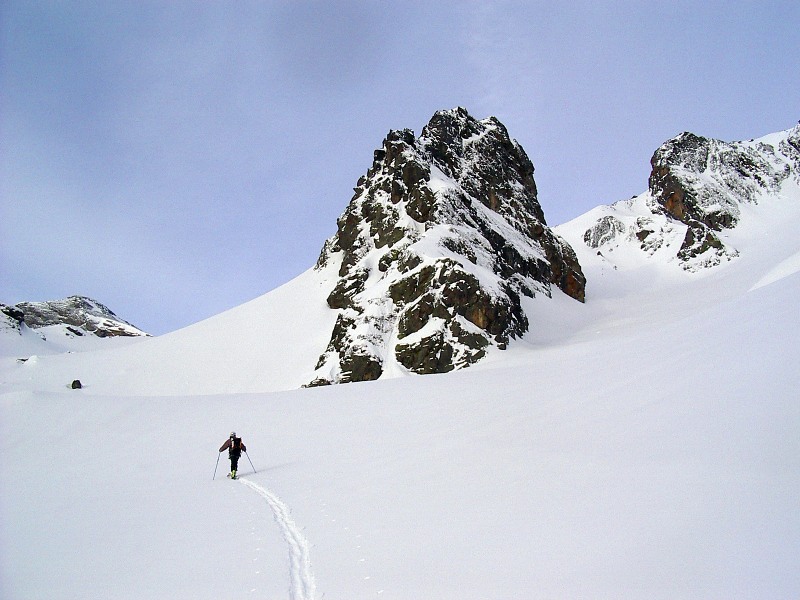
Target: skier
235,447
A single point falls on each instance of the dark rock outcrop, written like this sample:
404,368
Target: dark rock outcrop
697,189
703,183
442,238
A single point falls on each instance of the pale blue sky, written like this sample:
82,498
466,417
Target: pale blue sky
175,159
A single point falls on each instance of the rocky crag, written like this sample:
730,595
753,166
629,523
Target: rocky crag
697,189
79,316
442,238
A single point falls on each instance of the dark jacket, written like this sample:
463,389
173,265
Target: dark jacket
234,446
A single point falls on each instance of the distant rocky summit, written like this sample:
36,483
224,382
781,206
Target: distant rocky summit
442,238
78,314
697,189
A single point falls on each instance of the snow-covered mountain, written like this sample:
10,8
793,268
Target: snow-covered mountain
78,315
442,238
699,189
644,443
75,323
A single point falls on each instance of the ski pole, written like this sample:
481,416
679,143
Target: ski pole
215,468
251,462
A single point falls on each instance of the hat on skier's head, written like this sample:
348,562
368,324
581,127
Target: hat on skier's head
233,434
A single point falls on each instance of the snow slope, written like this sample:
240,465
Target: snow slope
270,343
669,468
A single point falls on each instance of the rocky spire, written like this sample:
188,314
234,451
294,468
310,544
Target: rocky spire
443,235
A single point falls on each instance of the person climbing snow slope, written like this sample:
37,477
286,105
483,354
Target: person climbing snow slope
235,447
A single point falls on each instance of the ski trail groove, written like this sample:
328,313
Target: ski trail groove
301,578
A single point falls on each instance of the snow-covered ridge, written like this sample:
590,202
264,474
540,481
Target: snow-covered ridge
699,188
75,316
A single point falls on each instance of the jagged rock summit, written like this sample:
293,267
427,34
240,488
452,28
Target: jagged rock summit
78,315
442,237
698,188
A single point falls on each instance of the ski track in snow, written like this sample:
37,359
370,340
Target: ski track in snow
301,578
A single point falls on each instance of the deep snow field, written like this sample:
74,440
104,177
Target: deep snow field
643,445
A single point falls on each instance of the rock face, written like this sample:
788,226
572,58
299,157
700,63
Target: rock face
697,188
703,182
442,237
80,315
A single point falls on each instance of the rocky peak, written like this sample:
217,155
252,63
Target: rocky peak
484,160
703,182
697,188
443,235
80,315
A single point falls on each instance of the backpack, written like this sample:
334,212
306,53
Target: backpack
236,445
